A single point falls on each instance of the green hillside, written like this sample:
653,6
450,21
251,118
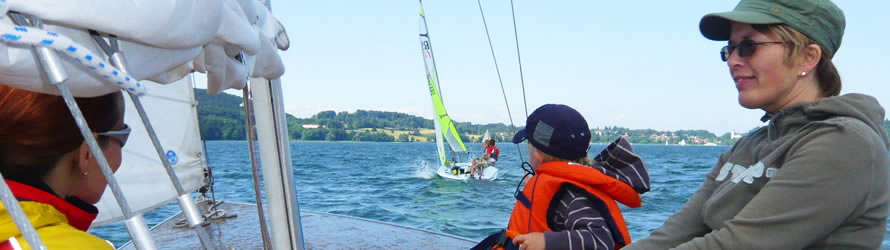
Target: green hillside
222,118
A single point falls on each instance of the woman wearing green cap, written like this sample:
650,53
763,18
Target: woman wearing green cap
816,176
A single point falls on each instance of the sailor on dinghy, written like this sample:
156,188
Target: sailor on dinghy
489,158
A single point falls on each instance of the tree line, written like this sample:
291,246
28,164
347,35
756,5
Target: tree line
222,118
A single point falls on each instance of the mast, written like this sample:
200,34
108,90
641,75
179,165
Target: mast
432,79
278,174
443,124
286,230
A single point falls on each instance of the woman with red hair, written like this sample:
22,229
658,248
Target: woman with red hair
49,168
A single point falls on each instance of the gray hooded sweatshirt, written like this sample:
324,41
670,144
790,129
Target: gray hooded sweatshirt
815,177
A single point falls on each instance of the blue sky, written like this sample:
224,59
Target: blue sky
634,64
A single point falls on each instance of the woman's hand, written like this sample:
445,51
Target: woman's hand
532,241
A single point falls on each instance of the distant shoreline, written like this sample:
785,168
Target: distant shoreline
687,145
221,118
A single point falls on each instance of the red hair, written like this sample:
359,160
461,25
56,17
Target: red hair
36,129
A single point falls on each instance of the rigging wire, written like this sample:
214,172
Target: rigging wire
504,92
518,56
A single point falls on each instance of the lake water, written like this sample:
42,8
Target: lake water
397,183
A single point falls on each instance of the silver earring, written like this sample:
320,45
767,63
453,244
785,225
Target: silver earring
803,73
86,173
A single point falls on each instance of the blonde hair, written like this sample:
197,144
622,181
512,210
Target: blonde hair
826,74
548,158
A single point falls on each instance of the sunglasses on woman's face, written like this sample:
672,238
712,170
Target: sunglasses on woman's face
746,48
119,135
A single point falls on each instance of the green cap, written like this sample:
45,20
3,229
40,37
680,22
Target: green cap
820,20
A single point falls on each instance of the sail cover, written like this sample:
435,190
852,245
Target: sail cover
446,125
163,40
142,177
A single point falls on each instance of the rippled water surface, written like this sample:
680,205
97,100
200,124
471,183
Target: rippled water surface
396,182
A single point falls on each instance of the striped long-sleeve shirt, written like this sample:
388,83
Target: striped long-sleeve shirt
583,226
577,224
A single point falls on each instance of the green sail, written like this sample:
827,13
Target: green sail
444,126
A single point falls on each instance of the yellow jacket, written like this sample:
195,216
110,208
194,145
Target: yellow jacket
51,224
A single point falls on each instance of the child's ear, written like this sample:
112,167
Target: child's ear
537,155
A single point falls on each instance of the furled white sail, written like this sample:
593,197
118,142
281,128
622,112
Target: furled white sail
163,41
172,110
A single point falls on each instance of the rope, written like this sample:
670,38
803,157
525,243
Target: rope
212,213
521,77
15,34
504,92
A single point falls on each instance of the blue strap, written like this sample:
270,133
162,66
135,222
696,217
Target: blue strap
524,200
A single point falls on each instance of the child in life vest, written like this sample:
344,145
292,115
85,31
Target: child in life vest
570,201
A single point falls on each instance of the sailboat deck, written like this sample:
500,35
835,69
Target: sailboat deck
320,231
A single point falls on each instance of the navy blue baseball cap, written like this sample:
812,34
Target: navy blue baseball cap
557,130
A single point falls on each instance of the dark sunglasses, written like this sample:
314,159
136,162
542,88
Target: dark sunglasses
119,135
746,48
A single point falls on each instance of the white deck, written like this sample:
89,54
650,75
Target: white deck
321,231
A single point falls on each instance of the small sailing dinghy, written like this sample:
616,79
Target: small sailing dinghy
458,167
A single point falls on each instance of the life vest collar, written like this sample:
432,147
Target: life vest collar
618,190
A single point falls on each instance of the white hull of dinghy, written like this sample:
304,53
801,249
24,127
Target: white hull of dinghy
488,173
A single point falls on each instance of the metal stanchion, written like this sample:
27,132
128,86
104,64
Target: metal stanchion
251,136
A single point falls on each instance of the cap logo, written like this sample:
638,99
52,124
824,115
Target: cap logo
543,133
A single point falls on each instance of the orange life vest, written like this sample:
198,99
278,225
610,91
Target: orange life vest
537,198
